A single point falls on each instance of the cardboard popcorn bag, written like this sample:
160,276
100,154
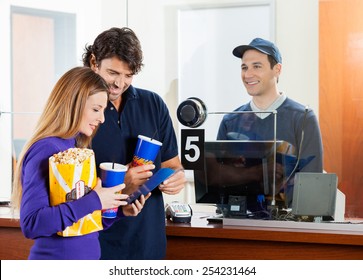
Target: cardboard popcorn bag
72,174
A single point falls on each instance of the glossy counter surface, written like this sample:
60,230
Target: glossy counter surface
256,239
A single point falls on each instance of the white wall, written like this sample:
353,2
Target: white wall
296,37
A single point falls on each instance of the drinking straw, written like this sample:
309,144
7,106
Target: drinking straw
154,134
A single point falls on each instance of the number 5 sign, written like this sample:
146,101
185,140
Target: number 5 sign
192,149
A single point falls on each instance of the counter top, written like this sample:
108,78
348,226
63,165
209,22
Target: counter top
7,219
248,239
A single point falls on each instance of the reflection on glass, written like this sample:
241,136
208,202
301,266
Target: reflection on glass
240,164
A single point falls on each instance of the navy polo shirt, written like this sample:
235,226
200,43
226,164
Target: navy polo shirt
145,113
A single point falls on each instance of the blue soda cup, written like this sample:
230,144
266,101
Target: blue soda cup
112,174
146,151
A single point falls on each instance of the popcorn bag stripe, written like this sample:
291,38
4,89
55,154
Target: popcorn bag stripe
92,180
72,174
79,232
58,186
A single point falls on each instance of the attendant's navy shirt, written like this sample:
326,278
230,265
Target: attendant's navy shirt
143,112
292,119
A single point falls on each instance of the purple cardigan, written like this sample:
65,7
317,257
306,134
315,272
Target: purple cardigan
41,222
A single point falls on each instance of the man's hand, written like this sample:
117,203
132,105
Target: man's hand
136,176
135,208
174,184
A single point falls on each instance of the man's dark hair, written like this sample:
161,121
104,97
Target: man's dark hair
272,61
120,42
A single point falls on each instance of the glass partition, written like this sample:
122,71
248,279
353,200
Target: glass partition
242,161
246,166
43,47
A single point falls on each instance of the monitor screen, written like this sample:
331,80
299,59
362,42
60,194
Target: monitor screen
235,172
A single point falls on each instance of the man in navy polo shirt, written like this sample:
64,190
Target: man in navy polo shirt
116,55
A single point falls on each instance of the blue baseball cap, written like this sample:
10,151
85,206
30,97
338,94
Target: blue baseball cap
261,45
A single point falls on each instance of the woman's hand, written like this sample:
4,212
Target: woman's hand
110,197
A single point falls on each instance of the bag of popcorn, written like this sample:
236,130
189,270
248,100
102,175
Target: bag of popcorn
72,174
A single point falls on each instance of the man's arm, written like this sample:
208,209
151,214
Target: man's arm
312,145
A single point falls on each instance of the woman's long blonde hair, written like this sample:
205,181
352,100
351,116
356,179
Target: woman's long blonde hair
61,116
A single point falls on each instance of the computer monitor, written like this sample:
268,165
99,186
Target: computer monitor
236,175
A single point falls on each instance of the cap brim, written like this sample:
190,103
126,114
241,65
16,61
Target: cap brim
240,50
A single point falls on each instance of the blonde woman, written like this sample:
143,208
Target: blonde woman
73,112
